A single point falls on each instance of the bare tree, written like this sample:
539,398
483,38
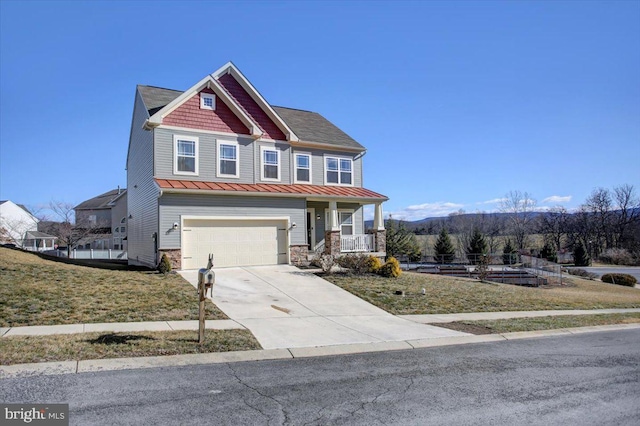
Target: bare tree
554,225
70,232
627,217
520,207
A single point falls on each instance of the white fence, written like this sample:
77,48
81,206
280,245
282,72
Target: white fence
91,254
357,243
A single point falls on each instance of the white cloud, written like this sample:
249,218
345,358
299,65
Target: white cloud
421,211
494,201
557,199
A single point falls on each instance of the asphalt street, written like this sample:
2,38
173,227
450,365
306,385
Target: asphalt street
601,270
585,379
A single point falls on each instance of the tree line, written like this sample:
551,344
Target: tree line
606,227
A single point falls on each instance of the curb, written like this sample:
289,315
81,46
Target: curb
113,364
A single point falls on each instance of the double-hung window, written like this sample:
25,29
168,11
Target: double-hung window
303,168
346,223
228,159
185,155
270,163
338,171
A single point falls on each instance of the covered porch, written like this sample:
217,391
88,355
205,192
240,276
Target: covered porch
337,227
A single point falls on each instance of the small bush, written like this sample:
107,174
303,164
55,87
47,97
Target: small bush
164,267
582,273
616,257
374,264
327,262
391,269
620,279
356,263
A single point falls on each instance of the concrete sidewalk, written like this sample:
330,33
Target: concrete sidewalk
83,366
45,330
480,316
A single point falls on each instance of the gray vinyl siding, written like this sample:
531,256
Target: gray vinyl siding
317,164
174,206
207,156
141,191
103,217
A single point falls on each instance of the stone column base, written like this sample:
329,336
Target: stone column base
332,243
381,241
299,255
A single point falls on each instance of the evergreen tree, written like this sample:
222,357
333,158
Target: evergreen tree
549,253
580,255
477,246
443,248
509,253
401,242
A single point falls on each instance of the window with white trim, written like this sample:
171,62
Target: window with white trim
346,223
207,101
228,159
338,171
185,150
303,168
270,163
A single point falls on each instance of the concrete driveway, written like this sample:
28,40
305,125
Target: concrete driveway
285,307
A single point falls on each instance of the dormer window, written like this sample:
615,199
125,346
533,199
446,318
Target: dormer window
207,101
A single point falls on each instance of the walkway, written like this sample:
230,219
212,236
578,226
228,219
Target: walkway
113,327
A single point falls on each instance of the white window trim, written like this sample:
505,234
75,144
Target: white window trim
326,182
204,96
327,212
262,164
195,139
219,144
295,168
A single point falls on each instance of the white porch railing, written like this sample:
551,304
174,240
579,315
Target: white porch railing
357,243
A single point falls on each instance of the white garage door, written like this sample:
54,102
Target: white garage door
233,242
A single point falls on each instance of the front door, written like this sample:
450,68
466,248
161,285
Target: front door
311,229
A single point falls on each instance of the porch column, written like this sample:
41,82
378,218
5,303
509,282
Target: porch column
378,222
378,226
332,234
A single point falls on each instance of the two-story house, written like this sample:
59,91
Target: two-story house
217,170
106,217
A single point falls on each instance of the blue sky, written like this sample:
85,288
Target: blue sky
457,102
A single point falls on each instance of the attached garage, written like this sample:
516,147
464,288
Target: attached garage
234,242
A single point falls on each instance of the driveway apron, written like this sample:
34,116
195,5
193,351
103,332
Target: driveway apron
285,307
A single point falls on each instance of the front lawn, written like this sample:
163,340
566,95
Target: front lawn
540,323
447,295
74,347
34,291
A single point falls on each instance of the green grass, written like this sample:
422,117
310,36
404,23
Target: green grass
72,347
445,295
548,323
34,291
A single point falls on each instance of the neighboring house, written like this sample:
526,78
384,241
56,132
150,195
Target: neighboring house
15,221
106,215
216,169
38,241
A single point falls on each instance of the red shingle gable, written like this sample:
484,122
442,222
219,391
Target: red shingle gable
237,92
190,115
